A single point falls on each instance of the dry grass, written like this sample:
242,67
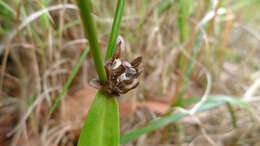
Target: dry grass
39,52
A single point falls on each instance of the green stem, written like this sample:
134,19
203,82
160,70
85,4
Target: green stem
115,28
90,32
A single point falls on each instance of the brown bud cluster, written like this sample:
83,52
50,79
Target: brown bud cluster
122,76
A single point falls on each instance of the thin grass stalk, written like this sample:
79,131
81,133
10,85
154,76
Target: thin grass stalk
45,24
90,32
94,47
212,23
184,7
164,5
8,49
210,31
184,71
115,29
198,45
183,14
232,114
71,77
226,34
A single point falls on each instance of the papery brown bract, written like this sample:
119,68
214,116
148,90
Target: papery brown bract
122,76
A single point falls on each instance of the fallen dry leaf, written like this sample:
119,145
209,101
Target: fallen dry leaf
160,108
77,105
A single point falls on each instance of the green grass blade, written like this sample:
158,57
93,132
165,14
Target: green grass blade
163,6
115,29
151,127
66,26
71,77
190,100
90,31
212,102
232,114
184,8
8,8
195,51
231,99
102,125
188,69
184,31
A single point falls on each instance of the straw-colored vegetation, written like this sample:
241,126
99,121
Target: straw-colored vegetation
200,85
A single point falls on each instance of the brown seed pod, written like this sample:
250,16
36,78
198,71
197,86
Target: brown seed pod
122,76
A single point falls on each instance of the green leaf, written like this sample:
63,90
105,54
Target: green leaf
101,127
212,102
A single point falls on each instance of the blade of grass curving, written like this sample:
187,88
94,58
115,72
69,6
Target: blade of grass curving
71,77
151,127
212,102
232,113
115,29
102,125
190,100
231,99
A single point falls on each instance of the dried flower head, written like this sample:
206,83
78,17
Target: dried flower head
122,76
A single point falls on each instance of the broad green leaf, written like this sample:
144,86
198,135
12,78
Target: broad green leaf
101,127
212,102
